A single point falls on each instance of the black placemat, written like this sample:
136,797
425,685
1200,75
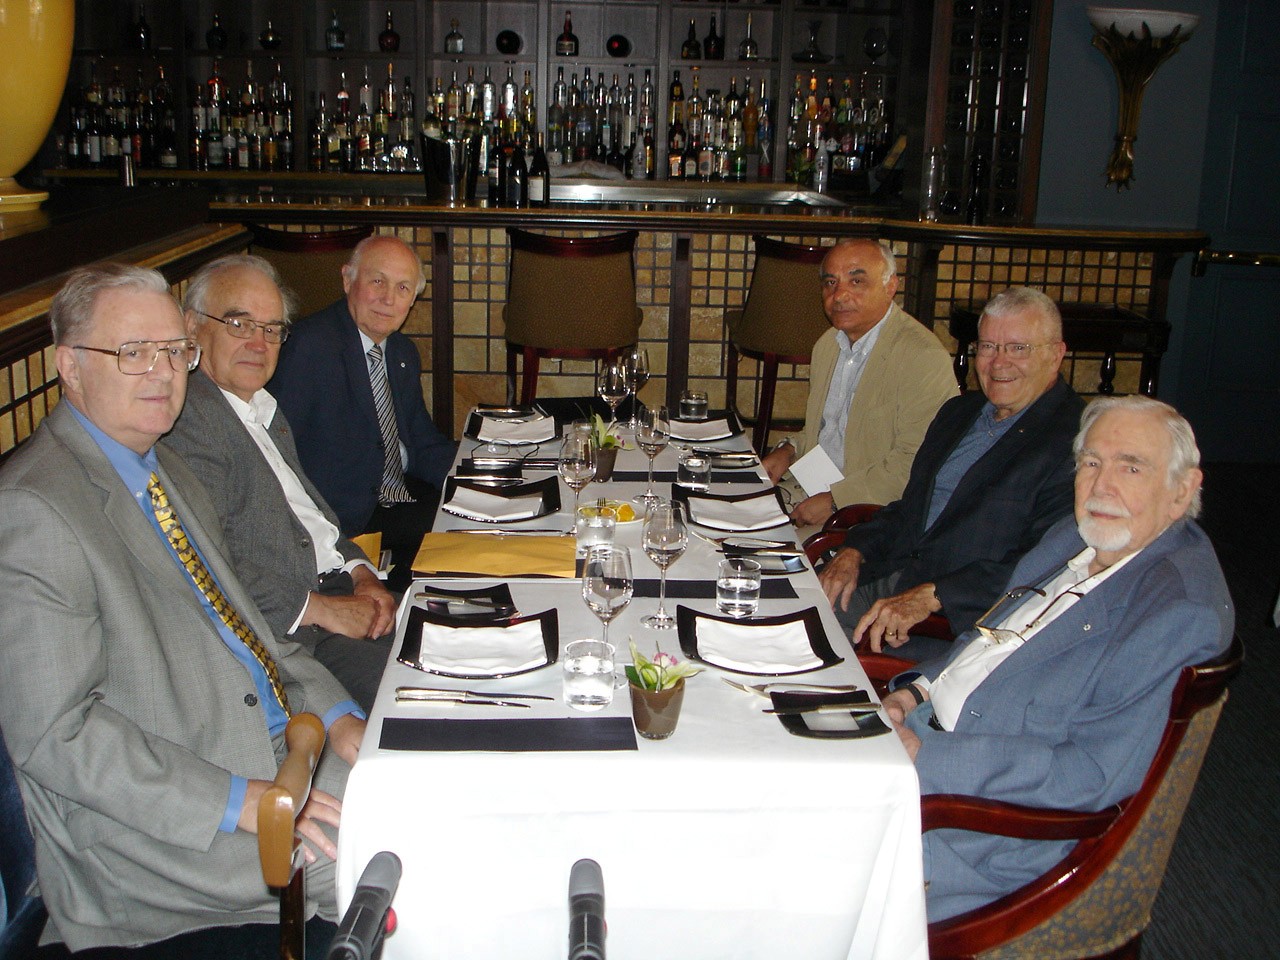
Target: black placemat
669,476
772,589
501,735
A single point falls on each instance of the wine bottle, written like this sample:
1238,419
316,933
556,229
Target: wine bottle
215,37
567,42
335,38
713,45
517,177
539,176
270,38
453,42
388,39
691,49
748,49
975,211
142,30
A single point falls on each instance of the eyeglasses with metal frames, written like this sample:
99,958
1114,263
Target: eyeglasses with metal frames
132,356
1014,351
1005,634
242,328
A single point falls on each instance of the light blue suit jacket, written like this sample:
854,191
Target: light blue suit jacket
1072,719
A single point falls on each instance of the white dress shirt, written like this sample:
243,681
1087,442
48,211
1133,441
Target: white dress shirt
256,415
994,644
845,378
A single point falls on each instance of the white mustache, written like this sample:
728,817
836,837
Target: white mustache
1114,511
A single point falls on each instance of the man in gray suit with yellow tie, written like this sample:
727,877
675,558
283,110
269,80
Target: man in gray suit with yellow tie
143,696
312,584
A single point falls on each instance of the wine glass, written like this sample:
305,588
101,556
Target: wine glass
652,435
637,374
665,537
577,464
611,386
607,582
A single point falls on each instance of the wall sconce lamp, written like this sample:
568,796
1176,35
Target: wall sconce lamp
1136,42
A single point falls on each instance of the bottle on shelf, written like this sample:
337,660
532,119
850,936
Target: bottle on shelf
270,38
364,95
215,38
470,93
691,49
539,176
335,38
748,49
517,176
388,39
713,44
975,209
453,42
142,30
567,42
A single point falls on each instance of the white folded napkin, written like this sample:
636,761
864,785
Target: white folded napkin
701,430
754,513
487,651
756,648
475,505
534,430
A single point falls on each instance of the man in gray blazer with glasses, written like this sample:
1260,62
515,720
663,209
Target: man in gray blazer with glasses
143,696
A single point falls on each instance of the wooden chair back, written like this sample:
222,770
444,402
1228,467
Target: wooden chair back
309,264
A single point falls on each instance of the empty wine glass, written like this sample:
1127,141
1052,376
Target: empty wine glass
577,464
652,434
607,582
637,373
665,537
611,386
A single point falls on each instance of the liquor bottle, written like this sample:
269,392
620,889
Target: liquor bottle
675,100
539,176
216,94
388,39
567,42
270,38
342,100
556,117
215,38
318,140
693,114
629,160
691,49
142,30
453,43
689,160
517,176
630,109
675,150
750,119
387,99
748,49
470,94
453,101
650,157
615,157
335,38
645,116
365,94
528,105
713,44
975,210
509,104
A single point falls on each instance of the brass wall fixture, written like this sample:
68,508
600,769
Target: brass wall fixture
1135,42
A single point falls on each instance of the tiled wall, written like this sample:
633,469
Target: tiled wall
28,391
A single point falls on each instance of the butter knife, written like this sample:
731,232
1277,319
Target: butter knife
858,708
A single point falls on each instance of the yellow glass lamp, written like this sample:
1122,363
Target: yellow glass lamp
35,52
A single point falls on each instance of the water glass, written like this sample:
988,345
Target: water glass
588,674
694,471
594,526
738,587
693,405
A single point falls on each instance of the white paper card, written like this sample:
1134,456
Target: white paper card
816,472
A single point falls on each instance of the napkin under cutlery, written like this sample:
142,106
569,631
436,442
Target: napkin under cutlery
756,648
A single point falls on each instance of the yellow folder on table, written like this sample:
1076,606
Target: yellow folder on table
492,555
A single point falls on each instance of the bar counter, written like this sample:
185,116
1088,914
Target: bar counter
693,260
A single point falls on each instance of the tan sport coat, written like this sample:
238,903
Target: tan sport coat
907,378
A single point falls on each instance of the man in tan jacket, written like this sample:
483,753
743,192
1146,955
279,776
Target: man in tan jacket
876,381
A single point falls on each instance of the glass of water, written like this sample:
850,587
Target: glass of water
694,471
588,674
738,587
594,526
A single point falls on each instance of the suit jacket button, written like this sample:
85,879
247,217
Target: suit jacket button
915,554
250,700
306,541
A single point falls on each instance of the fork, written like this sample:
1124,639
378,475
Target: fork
762,689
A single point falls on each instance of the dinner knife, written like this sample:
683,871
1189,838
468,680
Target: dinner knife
861,708
428,693
462,601
466,700
530,532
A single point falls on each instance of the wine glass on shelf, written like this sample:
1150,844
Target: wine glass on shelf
652,434
637,374
607,582
611,386
576,464
665,537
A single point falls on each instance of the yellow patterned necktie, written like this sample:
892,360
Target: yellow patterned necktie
205,583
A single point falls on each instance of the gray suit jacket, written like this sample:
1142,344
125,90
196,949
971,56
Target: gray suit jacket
270,548
1072,718
125,713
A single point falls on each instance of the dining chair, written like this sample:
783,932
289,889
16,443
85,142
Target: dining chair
309,263
278,812
1096,902
782,319
569,297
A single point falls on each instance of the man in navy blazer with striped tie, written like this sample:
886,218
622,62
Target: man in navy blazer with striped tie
351,385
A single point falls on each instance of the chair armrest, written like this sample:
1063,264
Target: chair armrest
287,795
822,543
953,811
851,516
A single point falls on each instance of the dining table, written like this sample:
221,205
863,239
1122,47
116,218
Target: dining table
744,835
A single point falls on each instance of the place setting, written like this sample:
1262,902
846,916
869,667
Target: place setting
519,425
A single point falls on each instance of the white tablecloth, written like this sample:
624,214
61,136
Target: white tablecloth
732,839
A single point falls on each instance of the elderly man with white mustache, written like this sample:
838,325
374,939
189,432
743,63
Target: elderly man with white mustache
1058,696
